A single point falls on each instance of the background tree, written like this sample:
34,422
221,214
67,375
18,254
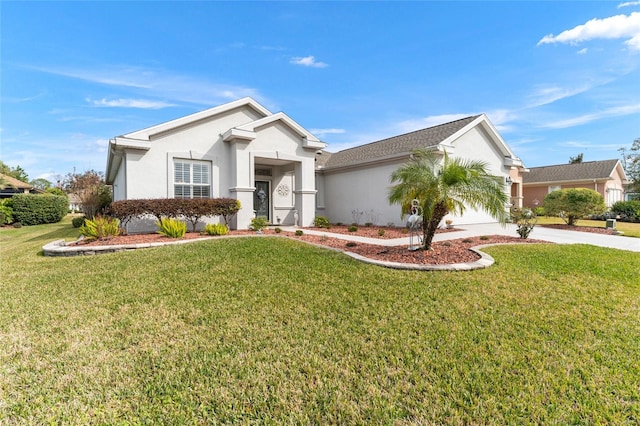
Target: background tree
577,159
15,172
630,159
41,184
94,195
447,186
573,204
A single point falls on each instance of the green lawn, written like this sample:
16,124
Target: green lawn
629,229
268,330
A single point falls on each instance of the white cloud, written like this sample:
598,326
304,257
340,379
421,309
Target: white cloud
587,118
320,132
130,103
582,51
590,145
159,83
614,27
308,61
628,3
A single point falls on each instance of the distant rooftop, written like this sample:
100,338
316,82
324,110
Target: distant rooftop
571,172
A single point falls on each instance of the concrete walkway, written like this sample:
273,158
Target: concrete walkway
558,236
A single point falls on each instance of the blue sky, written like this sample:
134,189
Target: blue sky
556,78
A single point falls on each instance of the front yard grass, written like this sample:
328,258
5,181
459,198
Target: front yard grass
270,330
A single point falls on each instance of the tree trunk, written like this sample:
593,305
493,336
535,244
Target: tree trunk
429,228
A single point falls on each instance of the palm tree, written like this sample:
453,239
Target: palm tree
447,186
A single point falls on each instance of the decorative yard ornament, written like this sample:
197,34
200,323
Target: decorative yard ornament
414,223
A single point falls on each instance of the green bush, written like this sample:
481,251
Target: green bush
381,232
298,232
278,230
321,222
573,204
257,223
100,228
539,211
77,222
352,228
30,209
627,209
6,211
216,229
351,244
172,228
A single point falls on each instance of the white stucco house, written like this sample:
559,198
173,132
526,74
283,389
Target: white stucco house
279,170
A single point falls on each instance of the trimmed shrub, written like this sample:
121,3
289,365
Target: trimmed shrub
321,222
381,232
525,219
278,230
573,204
539,211
172,228
191,209
299,232
77,222
257,223
30,209
100,228
352,228
216,229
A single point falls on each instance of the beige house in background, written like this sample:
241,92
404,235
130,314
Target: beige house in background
606,177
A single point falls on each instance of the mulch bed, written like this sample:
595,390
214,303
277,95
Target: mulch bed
445,252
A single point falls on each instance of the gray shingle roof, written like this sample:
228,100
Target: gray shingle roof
570,172
391,146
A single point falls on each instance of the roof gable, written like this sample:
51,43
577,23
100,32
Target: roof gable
247,130
573,172
148,133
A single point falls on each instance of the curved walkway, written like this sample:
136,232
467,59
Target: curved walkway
558,236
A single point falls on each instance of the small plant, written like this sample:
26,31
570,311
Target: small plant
525,220
216,229
278,230
100,228
257,223
351,244
321,222
446,244
172,228
449,223
356,215
405,230
339,223
467,240
324,238
368,224
17,225
352,228
299,232
484,238
77,222
381,232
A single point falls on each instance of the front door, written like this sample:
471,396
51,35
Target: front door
261,199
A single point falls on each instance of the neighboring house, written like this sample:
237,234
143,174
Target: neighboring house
75,204
606,177
279,170
14,186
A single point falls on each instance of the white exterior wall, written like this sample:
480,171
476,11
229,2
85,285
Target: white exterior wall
477,145
366,190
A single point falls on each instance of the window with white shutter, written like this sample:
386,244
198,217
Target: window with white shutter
191,179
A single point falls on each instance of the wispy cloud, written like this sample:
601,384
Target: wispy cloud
323,132
583,51
587,118
308,61
130,103
590,145
158,83
544,94
628,3
614,27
